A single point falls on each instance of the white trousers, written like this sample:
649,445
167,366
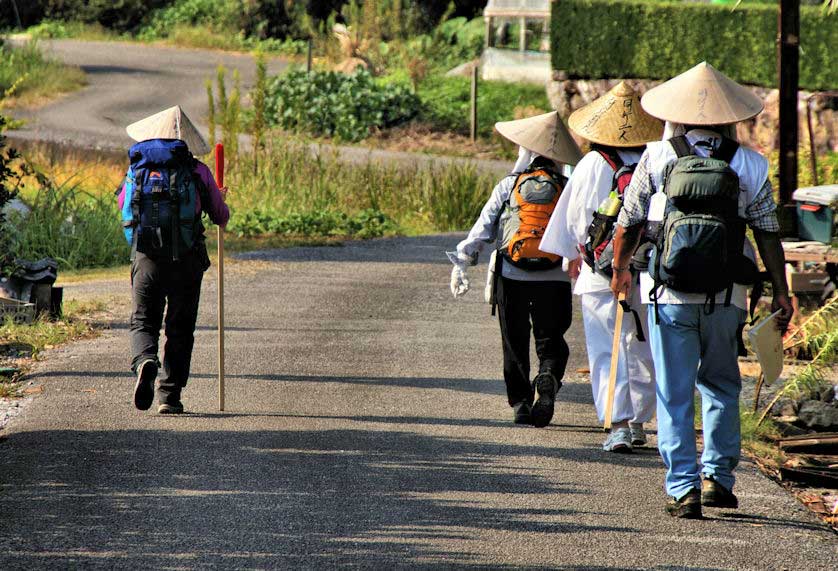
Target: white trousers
634,396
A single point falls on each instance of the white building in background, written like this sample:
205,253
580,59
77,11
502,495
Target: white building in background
517,41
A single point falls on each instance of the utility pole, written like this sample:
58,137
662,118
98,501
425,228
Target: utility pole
17,14
788,62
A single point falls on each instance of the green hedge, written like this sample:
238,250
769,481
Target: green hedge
650,39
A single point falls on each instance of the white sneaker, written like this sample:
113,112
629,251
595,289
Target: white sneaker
618,441
638,435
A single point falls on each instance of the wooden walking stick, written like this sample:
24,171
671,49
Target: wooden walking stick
219,180
615,361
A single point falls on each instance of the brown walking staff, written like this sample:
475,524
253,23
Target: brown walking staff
615,361
219,180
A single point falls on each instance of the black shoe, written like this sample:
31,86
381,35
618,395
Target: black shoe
170,408
546,386
714,495
523,412
687,507
169,399
144,389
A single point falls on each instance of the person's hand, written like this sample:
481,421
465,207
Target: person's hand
781,302
574,267
223,191
459,281
621,282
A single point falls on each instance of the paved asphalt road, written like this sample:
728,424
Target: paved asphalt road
127,82
367,427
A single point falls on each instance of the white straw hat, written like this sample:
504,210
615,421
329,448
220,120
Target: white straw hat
543,134
616,119
169,124
702,96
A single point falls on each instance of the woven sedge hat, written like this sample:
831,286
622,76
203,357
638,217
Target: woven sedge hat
702,96
543,134
616,119
169,124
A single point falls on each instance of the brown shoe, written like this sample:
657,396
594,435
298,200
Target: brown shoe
687,506
714,495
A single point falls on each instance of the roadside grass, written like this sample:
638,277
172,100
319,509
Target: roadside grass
28,77
179,35
45,334
59,30
23,343
203,37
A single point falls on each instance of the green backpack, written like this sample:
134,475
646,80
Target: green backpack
699,249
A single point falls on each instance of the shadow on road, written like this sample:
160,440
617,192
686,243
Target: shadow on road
160,498
577,393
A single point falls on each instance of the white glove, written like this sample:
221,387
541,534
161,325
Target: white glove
459,280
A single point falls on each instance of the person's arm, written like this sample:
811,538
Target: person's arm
762,218
485,230
217,209
630,224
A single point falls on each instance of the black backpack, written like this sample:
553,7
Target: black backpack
699,246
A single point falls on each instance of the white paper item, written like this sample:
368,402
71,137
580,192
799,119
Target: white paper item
767,343
489,291
657,207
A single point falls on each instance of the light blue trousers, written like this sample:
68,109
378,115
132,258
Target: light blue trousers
691,349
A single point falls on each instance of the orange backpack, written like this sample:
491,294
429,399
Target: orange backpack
530,206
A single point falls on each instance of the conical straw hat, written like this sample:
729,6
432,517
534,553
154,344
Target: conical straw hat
616,119
169,124
702,96
543,134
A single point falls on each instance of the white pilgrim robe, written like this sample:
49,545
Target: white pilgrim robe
634,397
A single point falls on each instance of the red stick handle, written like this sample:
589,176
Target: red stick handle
219,164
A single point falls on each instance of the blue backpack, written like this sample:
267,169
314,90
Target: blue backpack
161,191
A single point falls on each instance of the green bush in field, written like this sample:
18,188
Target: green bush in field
269,221
446,102
25,71
658,40
73,227
336,105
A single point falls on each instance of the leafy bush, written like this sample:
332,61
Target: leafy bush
650,39
256,19
343,106
446,102
365,224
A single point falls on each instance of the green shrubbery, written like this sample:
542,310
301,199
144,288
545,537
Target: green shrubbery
446,102
75,228
650,39
269,221
332,104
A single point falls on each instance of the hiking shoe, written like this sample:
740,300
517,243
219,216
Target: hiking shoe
687,507
546,386
638,435
170,408
144,389
619,440
714,495
523,412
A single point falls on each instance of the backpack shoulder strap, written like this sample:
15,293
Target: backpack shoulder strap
682,146
726,151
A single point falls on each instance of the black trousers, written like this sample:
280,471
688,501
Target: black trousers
156,283
546,307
